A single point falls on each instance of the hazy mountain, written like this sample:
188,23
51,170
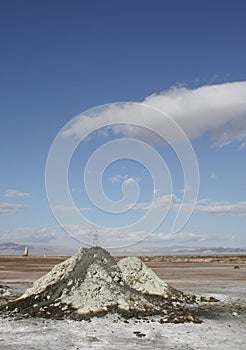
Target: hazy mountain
35,249
11,247
177,250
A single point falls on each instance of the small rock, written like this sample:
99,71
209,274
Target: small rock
190,318
208,299
17,318
139,334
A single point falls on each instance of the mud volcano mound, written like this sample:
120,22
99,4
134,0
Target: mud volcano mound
140,277
90,283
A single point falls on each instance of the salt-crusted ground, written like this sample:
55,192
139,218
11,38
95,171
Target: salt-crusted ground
111,333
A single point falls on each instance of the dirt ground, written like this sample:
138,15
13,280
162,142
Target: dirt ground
202,278
17,269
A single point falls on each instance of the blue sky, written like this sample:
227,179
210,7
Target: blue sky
60,58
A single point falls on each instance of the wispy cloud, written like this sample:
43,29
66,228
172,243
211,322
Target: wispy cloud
129,181
223,208
65,208
118,178
161,203
119,238
31,234
219,109
15,193
202,206
213,177
8,208
106,237
243,145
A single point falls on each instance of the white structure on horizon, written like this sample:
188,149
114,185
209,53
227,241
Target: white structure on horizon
26,251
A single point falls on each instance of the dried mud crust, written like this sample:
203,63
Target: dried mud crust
7,294
224,310
26,309
90,283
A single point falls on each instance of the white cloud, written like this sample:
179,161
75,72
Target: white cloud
65,208
31,234
129,181
15,193
202,206
119,238
223,208
213,177
106,237
160,203
7,208
243,145
118,178
217,208
219,109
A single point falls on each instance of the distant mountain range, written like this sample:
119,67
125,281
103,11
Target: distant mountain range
208,251
35,249
182,251
11,247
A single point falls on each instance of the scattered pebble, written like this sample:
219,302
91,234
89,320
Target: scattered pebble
139,334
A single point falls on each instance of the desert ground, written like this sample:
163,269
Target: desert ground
223,326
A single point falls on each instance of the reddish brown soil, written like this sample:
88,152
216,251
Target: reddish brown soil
15,269
25,269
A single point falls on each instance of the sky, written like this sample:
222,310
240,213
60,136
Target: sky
174,69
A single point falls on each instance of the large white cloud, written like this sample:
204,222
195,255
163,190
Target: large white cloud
219,109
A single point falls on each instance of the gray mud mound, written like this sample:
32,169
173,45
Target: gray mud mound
140,277
91,284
